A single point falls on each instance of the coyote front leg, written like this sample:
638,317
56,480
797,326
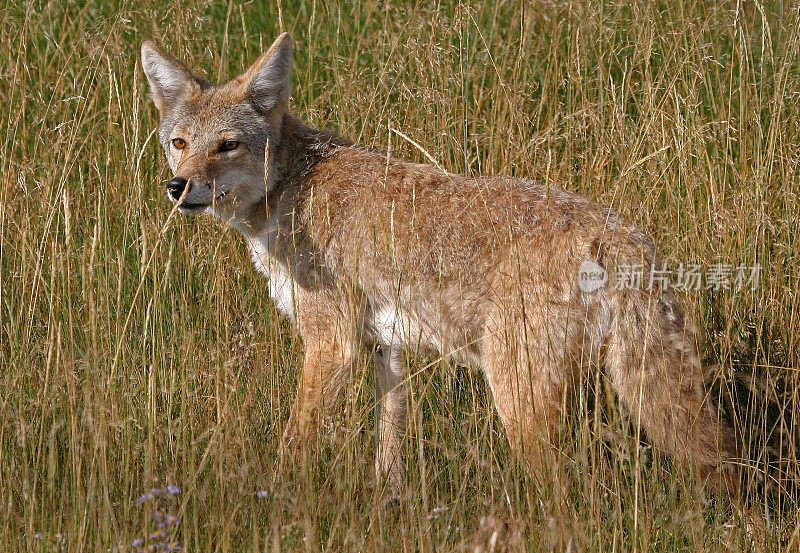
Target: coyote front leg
390,419
330,351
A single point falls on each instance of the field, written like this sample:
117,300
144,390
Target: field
145,375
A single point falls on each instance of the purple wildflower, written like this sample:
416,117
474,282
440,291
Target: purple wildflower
435,512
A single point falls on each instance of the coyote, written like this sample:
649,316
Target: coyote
369,253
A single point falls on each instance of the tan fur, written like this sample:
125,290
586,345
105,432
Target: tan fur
367,253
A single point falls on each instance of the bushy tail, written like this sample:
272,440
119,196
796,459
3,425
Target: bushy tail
654,367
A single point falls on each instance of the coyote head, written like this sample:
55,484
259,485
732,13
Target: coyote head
215,136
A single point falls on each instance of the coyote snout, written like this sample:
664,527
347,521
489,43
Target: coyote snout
175,188
369,253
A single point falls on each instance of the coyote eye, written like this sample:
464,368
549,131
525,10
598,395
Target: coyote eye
179,143
228,145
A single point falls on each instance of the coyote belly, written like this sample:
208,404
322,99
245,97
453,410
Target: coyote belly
369,253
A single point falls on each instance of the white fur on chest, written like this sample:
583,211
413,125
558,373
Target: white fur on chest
282,288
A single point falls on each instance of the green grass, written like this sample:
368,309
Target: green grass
131,358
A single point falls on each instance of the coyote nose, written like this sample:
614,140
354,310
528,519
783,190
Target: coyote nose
176,186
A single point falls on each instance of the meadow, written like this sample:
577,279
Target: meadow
145,376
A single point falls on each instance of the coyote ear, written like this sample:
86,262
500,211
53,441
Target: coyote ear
268,80
170,80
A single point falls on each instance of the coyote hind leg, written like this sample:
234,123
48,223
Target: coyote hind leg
529,376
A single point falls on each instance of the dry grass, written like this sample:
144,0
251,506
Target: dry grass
132,359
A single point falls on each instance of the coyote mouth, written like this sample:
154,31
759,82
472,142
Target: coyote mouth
187,207
192,208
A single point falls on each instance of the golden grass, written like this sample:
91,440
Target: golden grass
120,374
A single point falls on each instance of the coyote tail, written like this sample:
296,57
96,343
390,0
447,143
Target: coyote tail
654,367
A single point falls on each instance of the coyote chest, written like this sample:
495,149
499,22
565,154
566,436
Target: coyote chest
282,288
389,322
